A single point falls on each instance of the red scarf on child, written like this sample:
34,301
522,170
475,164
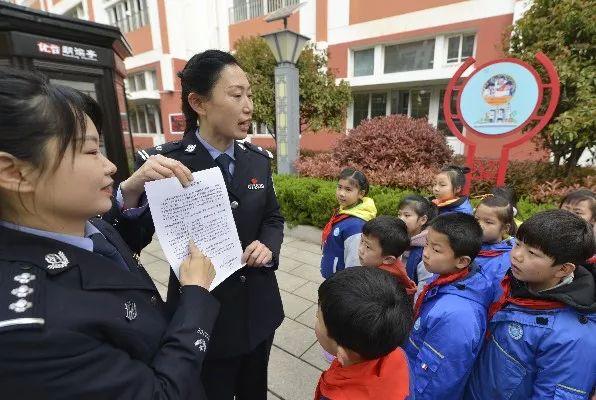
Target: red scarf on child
398,270
385,378
443,203
533,303
327,229
440,281
490,253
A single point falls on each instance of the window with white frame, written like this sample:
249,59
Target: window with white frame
460,47
364,62
361,101
409,56
419,103
144,118
415,103
144,80
76,12
441,123
128,15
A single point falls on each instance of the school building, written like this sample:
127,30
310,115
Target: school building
396,55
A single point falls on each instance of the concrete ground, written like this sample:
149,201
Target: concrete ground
296,358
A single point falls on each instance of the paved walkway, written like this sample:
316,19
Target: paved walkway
296,359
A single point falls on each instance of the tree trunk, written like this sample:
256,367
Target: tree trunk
573,158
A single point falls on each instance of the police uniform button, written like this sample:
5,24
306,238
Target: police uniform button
242,278
154,299
234,205
583,319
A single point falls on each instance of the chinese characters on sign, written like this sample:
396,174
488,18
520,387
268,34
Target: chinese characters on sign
76,53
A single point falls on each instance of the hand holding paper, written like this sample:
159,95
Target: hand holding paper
196,269
200,212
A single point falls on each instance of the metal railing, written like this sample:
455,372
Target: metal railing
245,10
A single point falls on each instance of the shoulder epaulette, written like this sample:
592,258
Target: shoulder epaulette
21,287
258,149
160,149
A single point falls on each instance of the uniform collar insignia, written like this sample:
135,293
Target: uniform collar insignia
56,261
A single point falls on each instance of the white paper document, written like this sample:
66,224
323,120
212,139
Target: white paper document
200,212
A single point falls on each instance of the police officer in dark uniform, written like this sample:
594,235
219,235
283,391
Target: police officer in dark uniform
215,90
80,318
76,325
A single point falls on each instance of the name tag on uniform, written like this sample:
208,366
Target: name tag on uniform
255,185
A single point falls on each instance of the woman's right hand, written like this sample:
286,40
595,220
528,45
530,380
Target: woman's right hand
156,167
196,269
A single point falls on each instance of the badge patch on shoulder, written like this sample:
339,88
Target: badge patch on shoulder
516,331
417,324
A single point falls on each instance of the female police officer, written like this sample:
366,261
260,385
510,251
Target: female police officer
79,317
216,91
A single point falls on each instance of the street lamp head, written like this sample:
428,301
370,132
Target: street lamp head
286,45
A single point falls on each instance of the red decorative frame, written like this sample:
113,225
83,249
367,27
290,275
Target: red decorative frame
553,85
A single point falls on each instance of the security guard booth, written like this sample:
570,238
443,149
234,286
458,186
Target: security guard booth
84,55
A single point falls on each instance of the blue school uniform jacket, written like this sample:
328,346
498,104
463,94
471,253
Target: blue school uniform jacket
340,250
447,336
495,267
462,205
414,259
541,354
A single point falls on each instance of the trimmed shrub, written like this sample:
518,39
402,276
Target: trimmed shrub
311,201
394,150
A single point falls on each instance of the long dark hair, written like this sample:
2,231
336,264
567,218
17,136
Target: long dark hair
457,176
33,111
502,200
357,177
199,75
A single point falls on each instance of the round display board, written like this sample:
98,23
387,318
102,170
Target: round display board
499,98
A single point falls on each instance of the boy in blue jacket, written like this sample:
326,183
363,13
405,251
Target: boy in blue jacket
450,313
542,342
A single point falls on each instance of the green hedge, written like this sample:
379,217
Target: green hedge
310,201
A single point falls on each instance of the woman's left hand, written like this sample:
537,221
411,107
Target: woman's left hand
257,254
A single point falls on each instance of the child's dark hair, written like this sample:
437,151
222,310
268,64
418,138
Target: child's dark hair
501,201
579,196
356,176
391,232
366,310
200,74
463,232
559,234
421,206
457,176
33,111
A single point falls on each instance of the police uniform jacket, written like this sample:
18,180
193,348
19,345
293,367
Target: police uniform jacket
251,307
76,325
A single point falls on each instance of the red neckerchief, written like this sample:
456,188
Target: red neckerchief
334,220
506,297
386,378
443,203
490,253
440,281
398,270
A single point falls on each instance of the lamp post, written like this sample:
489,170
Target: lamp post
286,47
